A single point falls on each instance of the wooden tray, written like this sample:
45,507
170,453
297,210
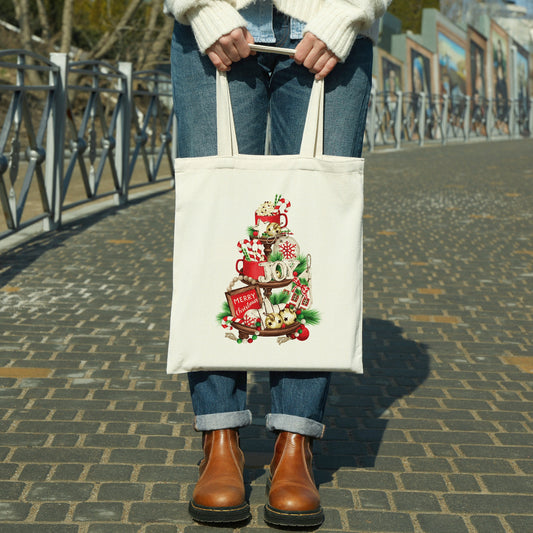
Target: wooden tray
247,331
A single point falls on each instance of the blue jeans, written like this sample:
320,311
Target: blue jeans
259,85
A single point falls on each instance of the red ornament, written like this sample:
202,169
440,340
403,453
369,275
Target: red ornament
304,334
250,341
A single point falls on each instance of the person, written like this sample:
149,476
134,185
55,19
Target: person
332,40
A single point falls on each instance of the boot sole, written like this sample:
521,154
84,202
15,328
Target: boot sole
218,515
278,517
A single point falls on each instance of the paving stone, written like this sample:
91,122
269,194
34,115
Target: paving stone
159,512
33,472
484,523
520,524
110,473
52,512
438,523
464,483
421,481
367,480
121,491
509,484
488,503
380,521
415,501
41,528
56,491
98,511
56,455
14,511
373,499
117,528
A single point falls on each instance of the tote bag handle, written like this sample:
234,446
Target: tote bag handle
313,134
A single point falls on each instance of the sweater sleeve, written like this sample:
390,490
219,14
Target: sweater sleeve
209,19
339,22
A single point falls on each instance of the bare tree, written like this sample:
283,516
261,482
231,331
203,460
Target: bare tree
66,26
155,38
44,23
22,11
110,38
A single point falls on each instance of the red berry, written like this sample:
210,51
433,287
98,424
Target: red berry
250,341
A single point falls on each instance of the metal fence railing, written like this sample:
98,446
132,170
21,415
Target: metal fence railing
78,137
397,118
77,132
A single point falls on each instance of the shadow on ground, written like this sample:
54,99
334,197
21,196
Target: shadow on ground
21,256
356,416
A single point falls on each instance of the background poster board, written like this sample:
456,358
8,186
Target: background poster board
419,68
477,81
390,73
499,56
452,63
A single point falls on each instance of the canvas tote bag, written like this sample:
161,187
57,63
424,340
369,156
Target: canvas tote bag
267,268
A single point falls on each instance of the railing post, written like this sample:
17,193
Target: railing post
122,150
444,118
530,119
466,120
512,118
398,119
490,119
422,119
371,122
55,140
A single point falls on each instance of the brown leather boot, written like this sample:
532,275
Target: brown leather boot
219,494
293,498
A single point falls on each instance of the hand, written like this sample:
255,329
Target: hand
230,48
314,55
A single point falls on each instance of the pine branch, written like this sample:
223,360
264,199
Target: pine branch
224,313
311,316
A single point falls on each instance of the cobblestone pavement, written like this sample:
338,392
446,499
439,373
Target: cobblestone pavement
436,436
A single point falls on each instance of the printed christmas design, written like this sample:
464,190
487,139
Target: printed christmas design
274,298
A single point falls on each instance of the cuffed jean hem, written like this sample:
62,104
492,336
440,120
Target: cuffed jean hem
229,420
295,424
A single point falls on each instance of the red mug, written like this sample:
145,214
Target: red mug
250,268
272,218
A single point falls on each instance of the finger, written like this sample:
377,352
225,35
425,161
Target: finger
227,44
303,48
217,61
320,63
313,57
242,46
327,68
249,40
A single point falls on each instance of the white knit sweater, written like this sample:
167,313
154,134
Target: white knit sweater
336,22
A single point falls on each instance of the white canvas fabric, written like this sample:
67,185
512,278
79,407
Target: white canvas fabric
216,202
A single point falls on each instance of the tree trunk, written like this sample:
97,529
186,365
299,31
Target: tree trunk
150,32
22,10
23,13
160,43
107,41
43,21
66,26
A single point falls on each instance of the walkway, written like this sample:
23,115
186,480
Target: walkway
436,437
